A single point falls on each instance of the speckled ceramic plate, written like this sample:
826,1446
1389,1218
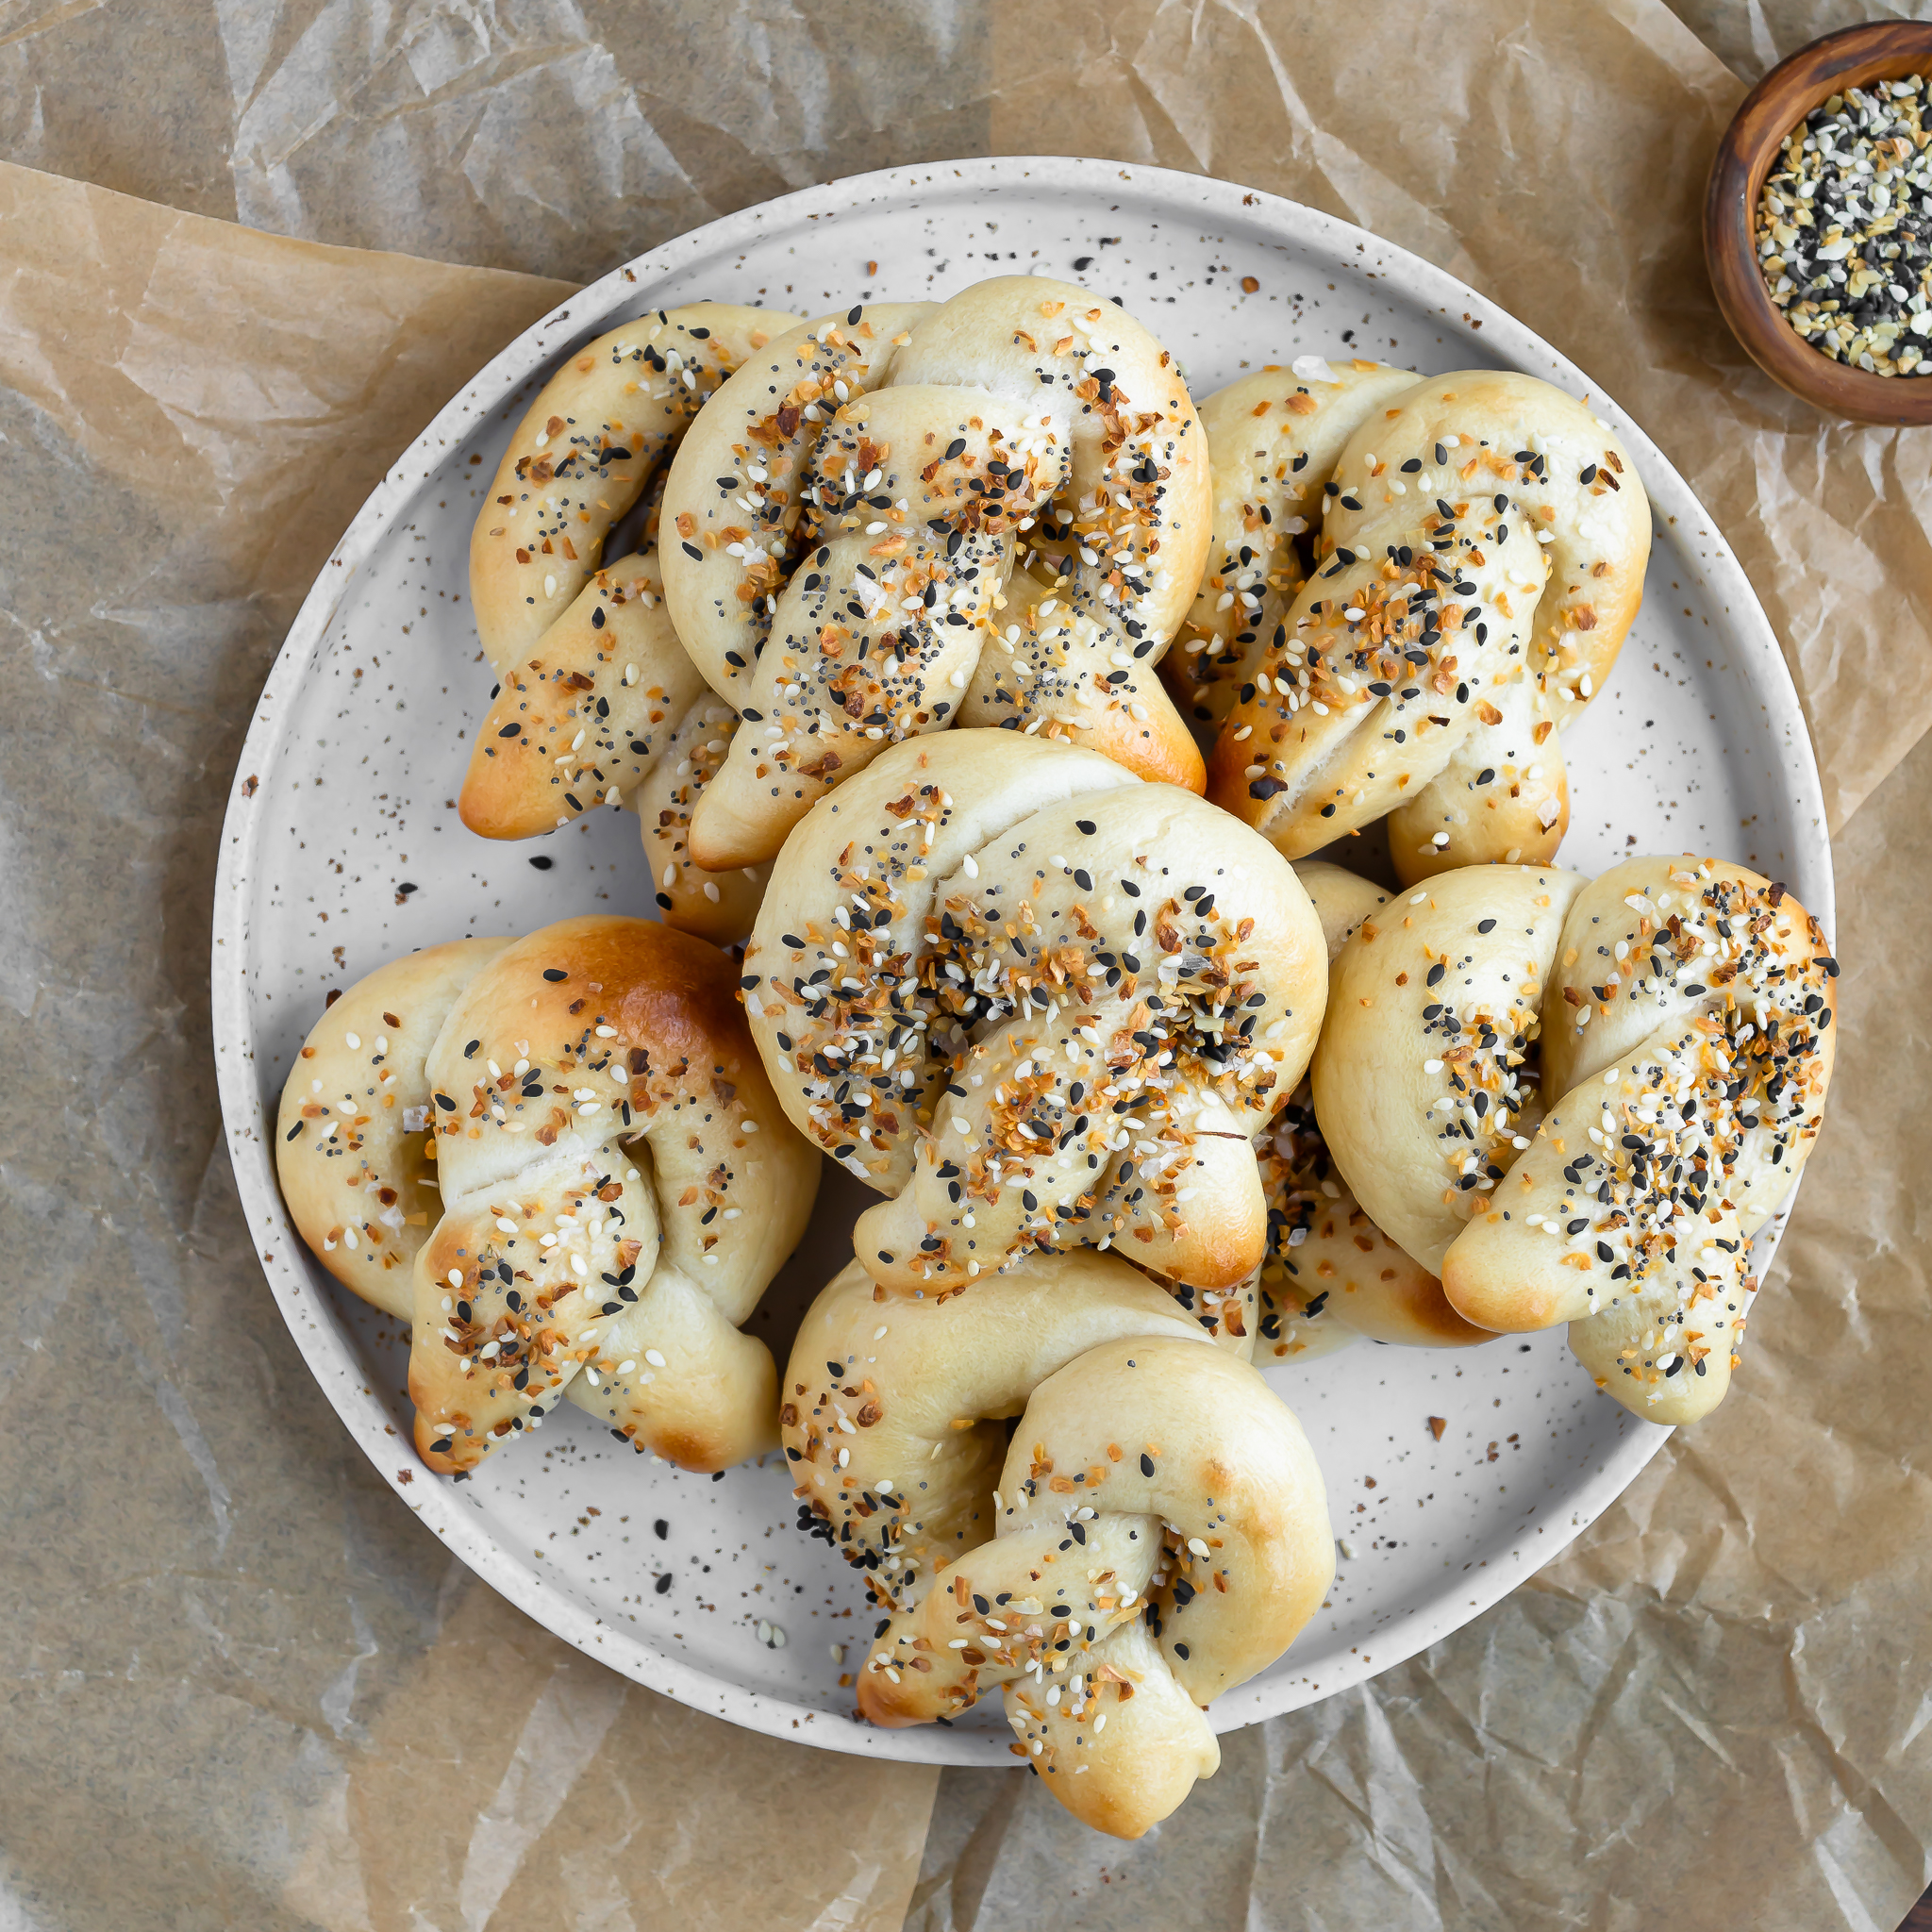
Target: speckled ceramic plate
345,795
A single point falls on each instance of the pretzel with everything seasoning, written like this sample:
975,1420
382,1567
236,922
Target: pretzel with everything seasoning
595,697
1155,1534
1038,1003
990,510
595,1184
1575,1101
1331,1276
1273,440
1480,559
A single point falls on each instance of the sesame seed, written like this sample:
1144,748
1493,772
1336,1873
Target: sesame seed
1838,230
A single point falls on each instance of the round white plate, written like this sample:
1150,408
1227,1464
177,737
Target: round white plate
704,1589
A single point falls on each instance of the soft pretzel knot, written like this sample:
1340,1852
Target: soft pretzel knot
1481,557
1273,438
1155,1533
1038,1003
596,701
1576,1101
566,1148
1331,1276
845,523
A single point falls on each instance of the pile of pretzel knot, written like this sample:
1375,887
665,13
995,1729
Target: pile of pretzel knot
985,704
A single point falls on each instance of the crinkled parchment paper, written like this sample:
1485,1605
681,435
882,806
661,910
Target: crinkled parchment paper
244,1686
243,1689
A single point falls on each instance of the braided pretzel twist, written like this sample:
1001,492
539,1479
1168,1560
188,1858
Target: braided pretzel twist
1156,1532
617,1185
848,513
1683,1009
1479,563
596,700
1037,1002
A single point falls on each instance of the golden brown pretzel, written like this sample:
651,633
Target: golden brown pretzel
1576,1101
1155,1534
1037,1002
352,1151
613,711
1480,559
583,455
1058,666
844,522
613,1185
596,695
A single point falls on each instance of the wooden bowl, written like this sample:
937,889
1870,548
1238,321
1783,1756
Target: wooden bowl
1883,50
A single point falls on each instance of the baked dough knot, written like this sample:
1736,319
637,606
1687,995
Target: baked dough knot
1575,1101
1331,1276
1155,1533
1478,543
1038,1003
596,701
560,1161
988,511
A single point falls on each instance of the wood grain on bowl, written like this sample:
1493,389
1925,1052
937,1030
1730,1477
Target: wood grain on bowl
1856,56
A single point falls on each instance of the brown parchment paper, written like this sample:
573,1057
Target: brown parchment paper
243,1689
239,1668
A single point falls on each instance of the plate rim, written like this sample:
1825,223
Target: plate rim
1489,328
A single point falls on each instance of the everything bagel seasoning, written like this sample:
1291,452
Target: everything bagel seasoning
1844,227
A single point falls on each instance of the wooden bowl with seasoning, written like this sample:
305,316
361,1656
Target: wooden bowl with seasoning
1886,50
